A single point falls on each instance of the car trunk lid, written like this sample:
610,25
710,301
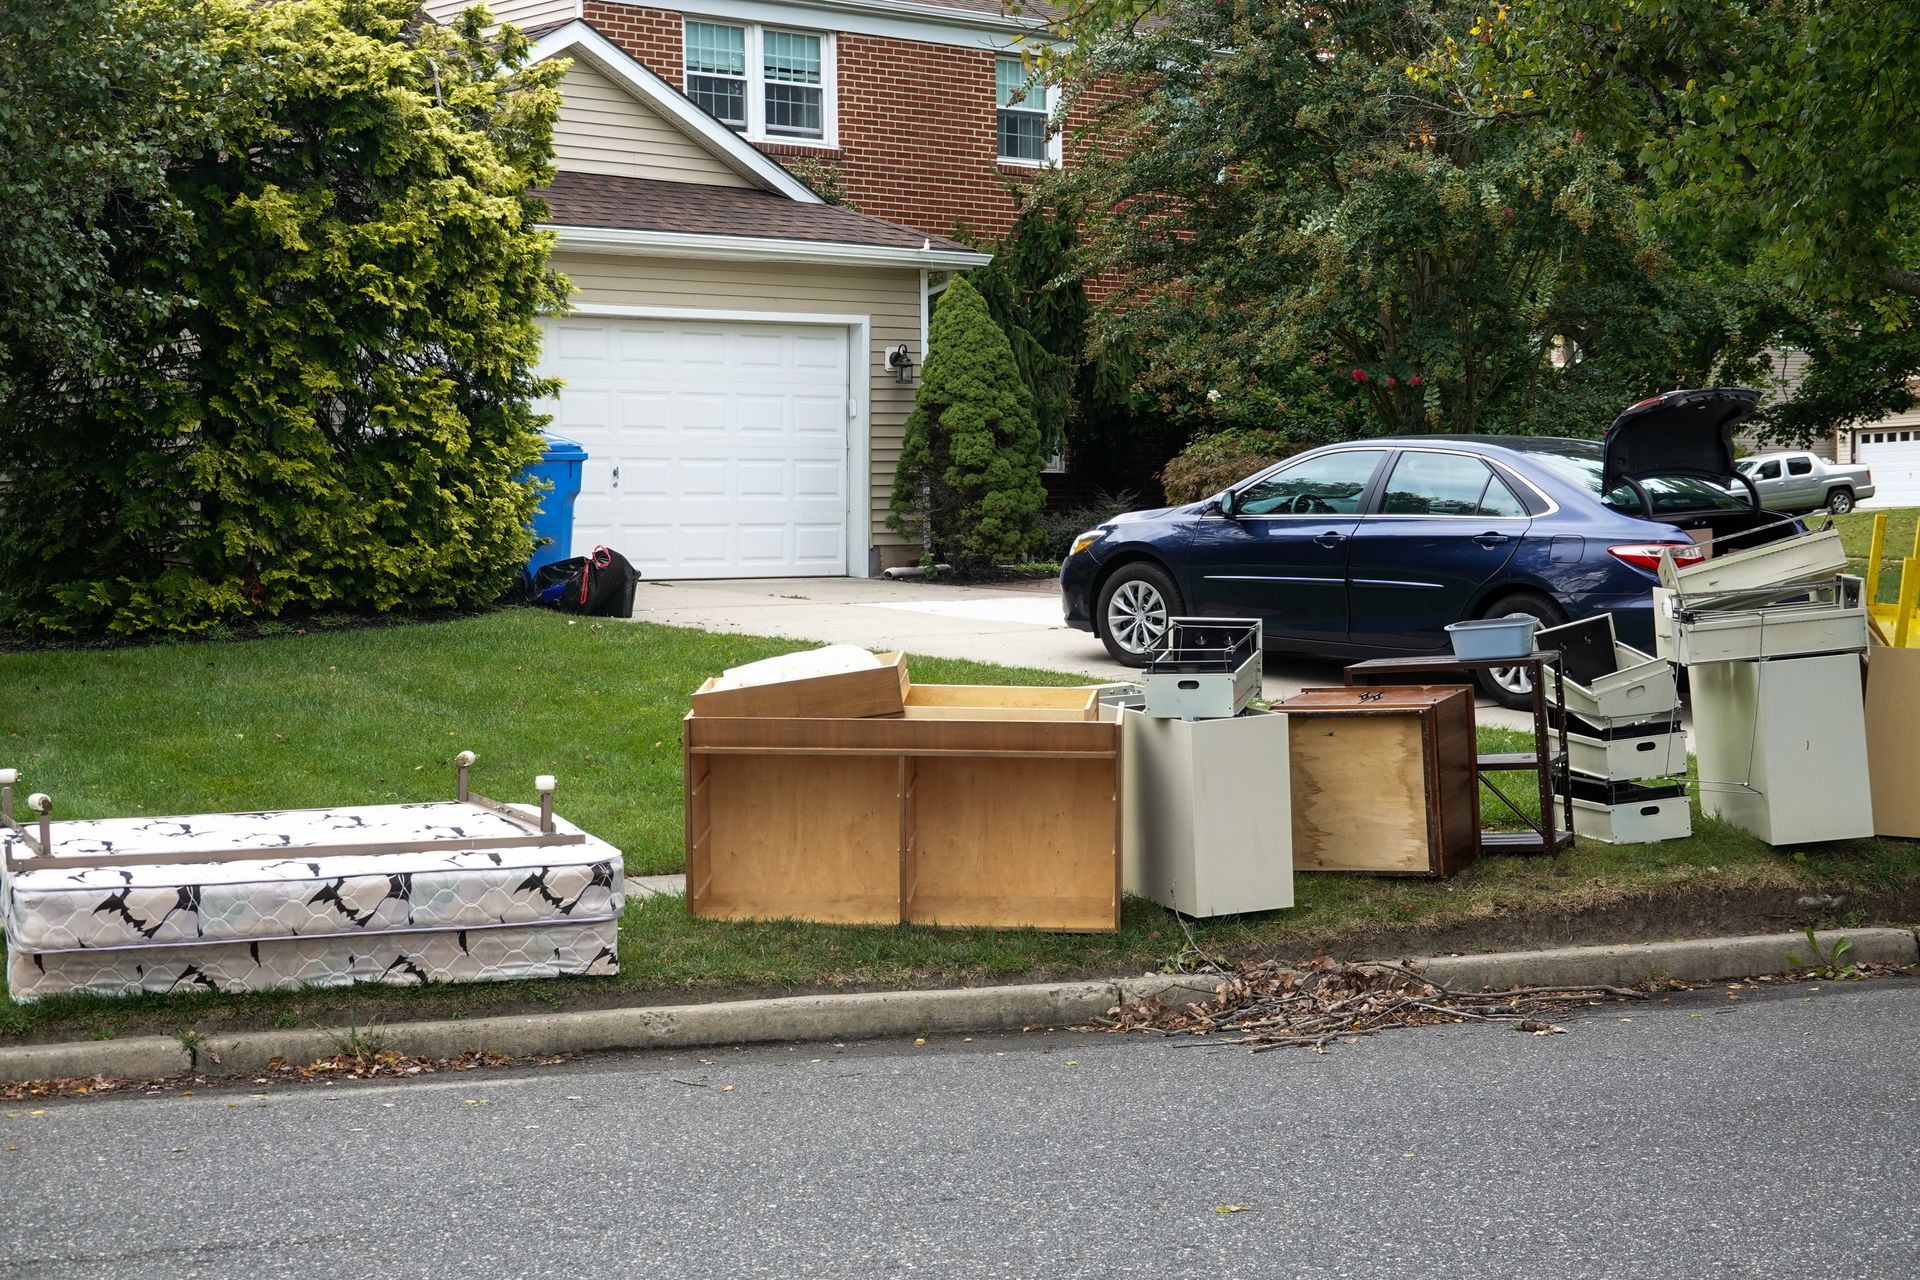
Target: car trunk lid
1680,433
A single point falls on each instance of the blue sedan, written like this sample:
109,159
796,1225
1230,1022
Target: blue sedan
1370,548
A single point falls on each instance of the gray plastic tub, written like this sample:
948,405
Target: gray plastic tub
1493,637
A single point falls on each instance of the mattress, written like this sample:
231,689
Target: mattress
396,959
433,912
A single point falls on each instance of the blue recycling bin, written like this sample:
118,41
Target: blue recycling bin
553,521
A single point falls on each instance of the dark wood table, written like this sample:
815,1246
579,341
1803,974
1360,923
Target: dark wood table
1547,761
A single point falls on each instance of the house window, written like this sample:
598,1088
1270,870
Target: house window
1022,114
763,81
717,71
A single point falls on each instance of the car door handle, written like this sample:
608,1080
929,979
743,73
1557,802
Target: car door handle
1331,539
1491,540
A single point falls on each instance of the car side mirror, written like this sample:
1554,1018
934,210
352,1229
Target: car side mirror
1224,504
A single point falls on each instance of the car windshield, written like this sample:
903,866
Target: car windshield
1585,463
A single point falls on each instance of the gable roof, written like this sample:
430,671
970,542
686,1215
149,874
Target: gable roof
578,39
613,214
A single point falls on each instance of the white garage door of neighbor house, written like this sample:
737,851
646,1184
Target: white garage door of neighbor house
1895,463
714,450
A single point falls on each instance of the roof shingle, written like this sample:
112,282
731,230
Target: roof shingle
690,208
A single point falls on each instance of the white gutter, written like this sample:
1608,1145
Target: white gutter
676,244
929,12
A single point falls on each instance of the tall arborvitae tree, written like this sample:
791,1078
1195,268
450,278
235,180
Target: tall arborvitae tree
968,482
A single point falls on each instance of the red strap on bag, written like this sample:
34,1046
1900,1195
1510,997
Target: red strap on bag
601,558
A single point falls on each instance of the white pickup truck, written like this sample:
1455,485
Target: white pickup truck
1797,482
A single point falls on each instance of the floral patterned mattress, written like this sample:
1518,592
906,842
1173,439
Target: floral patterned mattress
280,920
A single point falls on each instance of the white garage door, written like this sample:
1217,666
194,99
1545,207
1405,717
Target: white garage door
1894,459
714,450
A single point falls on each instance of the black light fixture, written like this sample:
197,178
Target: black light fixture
901,363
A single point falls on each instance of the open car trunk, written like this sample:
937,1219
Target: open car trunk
1689,435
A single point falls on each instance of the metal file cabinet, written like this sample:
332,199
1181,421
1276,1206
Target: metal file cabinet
1782,747
1206,820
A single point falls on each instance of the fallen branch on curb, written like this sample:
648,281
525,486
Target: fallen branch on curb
1323,1001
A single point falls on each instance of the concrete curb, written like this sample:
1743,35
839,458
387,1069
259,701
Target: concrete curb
870,1015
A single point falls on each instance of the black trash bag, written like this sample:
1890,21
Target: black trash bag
600,585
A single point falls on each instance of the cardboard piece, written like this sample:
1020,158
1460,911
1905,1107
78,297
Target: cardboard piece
1893,739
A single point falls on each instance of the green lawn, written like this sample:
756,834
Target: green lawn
375,715
1856,534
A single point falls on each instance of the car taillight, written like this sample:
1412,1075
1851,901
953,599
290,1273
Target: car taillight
1646,555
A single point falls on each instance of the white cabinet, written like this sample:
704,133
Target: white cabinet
1207,816
1782,747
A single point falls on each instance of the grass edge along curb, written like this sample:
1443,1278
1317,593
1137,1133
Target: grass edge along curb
869,1015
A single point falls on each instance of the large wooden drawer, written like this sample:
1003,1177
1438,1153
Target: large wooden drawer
1383,780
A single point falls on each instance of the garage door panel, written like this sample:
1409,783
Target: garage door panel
762,413
819,545
643,346
644,411
702,413
729,443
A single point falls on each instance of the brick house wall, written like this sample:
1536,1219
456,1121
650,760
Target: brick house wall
917,140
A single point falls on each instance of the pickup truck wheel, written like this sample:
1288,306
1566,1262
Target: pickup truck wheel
1840,501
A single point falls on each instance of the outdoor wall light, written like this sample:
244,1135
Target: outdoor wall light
901,363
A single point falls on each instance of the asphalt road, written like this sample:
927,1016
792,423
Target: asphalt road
1777,1134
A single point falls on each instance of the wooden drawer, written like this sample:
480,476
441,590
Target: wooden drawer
1383,780
879,691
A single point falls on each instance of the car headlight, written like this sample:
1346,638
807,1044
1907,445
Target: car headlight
1084,540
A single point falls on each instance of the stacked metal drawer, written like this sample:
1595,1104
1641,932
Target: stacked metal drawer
1203,669
1625,746
1771,639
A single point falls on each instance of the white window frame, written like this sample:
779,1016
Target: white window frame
1050,107
756,130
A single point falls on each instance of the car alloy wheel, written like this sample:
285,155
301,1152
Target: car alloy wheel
1514,680
1137,616
1839,502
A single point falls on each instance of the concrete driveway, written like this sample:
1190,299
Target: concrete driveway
1017,625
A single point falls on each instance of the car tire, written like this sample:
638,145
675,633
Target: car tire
1134,606
1840,502
1509,686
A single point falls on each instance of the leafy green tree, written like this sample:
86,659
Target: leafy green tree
1032,293
968,481
333,406
1309,238
97,98
1778,132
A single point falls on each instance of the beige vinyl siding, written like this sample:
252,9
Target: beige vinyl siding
604,129
889,297
521,13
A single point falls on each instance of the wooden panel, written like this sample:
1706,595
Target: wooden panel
878,691
812,838
1359,793
1455,749
905,735
1893,739
1004,843
996,702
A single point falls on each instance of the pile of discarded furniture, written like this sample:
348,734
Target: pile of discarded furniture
1771,639
461,890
